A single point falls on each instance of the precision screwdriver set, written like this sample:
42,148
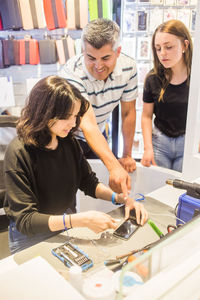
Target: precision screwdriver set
71,255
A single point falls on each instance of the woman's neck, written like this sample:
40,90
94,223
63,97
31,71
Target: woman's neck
53,144
179,74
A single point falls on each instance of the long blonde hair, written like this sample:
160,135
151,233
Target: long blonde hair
178,29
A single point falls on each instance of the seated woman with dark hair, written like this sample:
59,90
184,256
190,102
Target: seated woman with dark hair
45,166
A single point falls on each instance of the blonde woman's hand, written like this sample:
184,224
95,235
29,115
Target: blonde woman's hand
148,158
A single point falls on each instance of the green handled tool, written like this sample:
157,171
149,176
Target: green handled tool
155,228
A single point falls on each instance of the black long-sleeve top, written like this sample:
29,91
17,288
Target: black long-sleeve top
43,182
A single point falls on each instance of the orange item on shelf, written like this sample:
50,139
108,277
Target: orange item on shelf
54,14
141,269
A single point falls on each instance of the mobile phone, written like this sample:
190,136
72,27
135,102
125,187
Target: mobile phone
133,215
126,229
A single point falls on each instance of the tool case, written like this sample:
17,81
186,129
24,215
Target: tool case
71,255
188,207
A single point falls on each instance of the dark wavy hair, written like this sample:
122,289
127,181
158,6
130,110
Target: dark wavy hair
178,29
52,98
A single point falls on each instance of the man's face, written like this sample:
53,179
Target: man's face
100,62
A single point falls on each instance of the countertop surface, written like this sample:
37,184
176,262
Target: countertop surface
101,247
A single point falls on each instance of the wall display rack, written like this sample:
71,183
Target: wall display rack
31,35
19,73
52,19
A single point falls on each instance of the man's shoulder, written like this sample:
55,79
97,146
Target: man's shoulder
74,66
73,71
126,68
126,61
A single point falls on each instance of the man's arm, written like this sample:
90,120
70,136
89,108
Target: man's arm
119,179
128,114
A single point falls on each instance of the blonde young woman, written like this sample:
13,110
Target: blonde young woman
165,95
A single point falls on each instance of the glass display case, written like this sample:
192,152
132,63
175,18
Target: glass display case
170,270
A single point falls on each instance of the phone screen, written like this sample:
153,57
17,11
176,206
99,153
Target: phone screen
126,229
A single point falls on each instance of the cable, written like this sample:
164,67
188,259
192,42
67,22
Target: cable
175,209
168,215
141,198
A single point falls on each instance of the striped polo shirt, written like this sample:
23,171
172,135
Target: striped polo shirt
121,85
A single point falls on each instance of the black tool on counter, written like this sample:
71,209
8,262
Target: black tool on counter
110,262
119,266
193,189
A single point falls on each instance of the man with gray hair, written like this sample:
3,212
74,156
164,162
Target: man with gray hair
106,77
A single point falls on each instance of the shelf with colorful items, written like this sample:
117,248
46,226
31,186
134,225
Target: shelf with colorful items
41,43
48,34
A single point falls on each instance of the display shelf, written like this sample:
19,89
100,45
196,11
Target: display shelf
19,73
39,33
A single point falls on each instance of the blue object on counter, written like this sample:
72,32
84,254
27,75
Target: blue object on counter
186,208
139,197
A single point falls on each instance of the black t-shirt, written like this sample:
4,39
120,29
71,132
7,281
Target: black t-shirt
41,182
59,174
171,111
